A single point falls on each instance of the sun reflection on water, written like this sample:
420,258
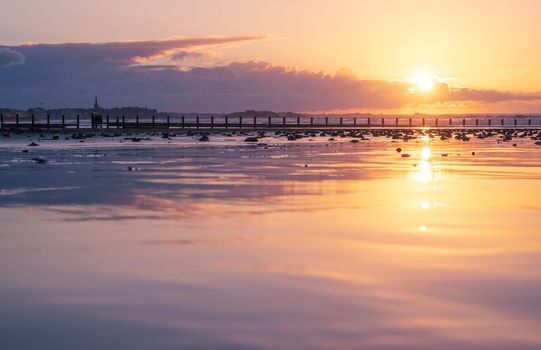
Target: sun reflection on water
423,172
426,153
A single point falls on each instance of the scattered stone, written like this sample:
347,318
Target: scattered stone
399,150
405,155
39,160
33,144
251,139
204,138
25,151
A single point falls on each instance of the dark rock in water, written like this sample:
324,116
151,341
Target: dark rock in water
132,168
39,160
332,139
514,145
25,151
399,150
33,144
6,135
291,138
405,155
56,137
444,154
306,165
251,139
354,141
135,139
204,138
473,153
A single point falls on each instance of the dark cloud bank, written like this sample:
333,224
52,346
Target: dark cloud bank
151,73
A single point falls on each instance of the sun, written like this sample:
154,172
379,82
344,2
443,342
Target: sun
423,81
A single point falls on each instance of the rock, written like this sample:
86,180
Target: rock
33,144
444,154
204,138
56,137
405,155
473,153
399,150
538,143
251,139
514,145
25,151
354,141
39,160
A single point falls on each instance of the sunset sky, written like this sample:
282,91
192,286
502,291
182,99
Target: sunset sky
382,56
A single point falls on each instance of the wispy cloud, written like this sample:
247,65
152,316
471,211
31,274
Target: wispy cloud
69,73
9,57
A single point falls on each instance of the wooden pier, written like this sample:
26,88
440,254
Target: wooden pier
44,123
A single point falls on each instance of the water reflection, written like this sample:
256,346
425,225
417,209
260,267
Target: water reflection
232,250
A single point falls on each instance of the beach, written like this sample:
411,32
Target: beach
309,244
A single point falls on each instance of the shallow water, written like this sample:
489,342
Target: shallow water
299,245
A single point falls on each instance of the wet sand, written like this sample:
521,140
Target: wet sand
171,243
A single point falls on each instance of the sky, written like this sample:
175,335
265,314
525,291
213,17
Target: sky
382,56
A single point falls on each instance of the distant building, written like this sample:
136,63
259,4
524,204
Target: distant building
96,105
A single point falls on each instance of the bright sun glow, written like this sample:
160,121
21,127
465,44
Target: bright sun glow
424,81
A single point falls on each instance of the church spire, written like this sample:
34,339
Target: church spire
96,105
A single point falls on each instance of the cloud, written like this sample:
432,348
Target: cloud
9,57
124,53
156,73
